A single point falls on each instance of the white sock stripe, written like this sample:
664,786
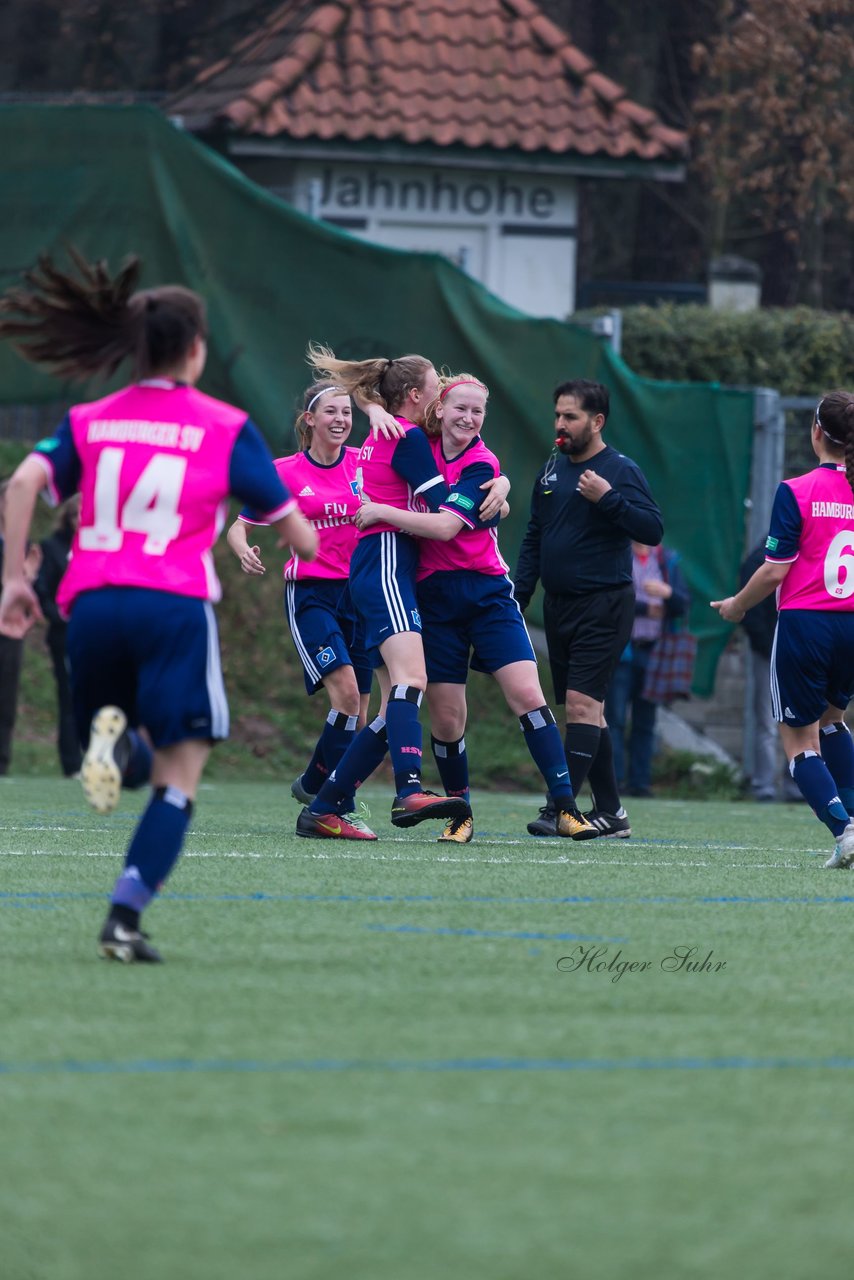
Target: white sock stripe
399,692
171,795
349,724
302,653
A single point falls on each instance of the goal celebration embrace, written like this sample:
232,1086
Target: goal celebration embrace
394,584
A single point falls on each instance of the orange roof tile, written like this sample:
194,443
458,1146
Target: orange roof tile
494,73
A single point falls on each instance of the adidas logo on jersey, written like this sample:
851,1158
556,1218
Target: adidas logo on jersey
307,492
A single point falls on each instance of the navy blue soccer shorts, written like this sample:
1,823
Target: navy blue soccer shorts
470,618
152,653
326,631
812,664
382,584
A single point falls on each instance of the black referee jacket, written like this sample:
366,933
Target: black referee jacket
575,546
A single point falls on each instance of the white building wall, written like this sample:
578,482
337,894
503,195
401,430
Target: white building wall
515,233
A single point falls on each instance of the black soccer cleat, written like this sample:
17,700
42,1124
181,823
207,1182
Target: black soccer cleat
546,823
610,825
130,946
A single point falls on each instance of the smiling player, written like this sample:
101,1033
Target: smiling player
468,610
323,623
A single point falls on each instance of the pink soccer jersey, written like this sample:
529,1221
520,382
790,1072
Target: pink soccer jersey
382,483
155,480
474,548
329,498
822,572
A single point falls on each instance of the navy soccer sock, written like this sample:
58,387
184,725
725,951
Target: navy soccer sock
154,849
817,787
453,765
582,743
338,733
542,738
404,737
837,752
602,778
365,754
315,772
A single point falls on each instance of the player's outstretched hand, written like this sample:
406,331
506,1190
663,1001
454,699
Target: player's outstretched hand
728,609
19,608
383,423
250,561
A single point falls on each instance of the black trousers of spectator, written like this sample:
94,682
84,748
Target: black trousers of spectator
67,739
11,655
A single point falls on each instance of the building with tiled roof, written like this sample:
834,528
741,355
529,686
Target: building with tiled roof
454,125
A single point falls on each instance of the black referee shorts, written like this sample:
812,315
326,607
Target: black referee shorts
586,636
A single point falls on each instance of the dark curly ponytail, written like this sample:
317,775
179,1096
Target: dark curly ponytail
84,322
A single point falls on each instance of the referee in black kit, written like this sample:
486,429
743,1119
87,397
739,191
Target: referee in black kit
589,504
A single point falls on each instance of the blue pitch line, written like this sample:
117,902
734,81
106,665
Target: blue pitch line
25,906
526,935
166,1066
6,897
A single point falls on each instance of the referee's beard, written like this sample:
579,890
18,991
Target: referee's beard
569,445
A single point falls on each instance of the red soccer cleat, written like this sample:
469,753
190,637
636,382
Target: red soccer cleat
331,826
409,810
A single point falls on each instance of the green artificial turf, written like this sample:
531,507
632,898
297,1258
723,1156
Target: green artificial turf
364,1061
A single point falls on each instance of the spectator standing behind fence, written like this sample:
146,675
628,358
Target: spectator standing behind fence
55,552
588,503
661,597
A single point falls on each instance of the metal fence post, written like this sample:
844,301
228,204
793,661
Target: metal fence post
766,472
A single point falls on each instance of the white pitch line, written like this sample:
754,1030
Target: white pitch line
413,858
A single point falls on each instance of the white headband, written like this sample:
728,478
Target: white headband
822,427
324,392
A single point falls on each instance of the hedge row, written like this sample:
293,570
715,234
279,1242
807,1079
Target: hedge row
797,351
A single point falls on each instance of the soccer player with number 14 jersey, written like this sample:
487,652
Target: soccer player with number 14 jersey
155,464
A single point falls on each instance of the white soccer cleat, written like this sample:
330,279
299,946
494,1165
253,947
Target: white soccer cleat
100,774
843,854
